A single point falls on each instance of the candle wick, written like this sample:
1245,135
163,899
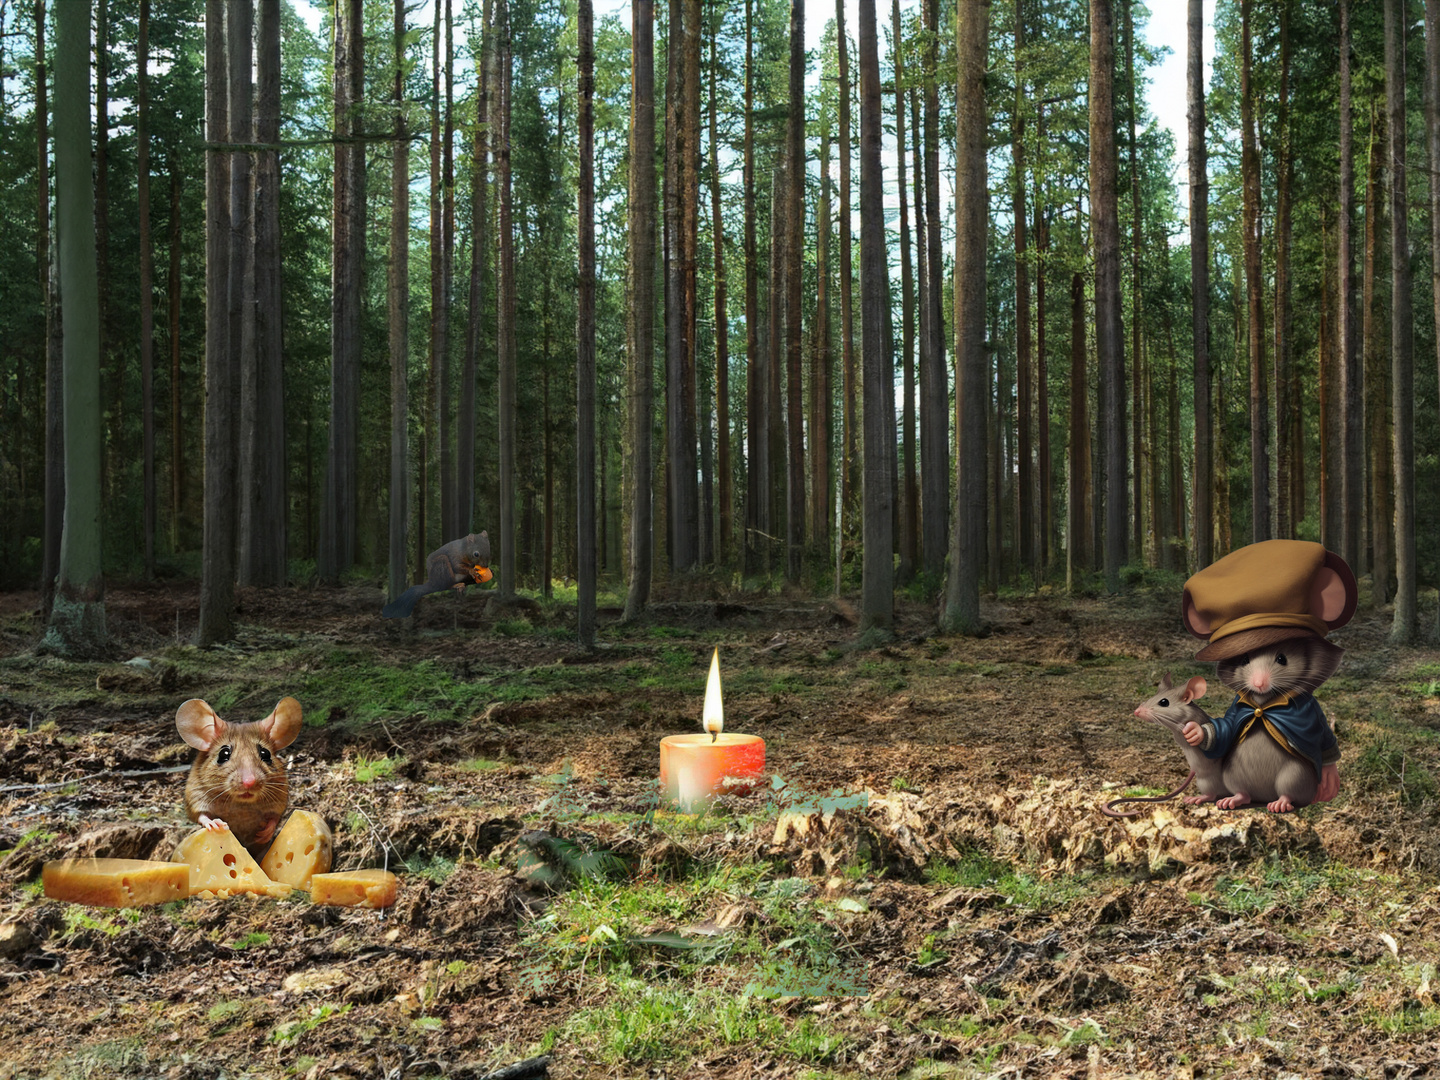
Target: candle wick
713,736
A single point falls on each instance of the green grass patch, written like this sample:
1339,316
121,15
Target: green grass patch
368,769
1393,763
287,1033
255,937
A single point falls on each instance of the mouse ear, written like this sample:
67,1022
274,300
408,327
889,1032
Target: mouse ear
1195,689
198,725
283,723
1165,683
1333,593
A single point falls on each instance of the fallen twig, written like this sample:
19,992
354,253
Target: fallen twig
109,774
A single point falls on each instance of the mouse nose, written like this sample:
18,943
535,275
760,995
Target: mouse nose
1140,710
1260,681
248,781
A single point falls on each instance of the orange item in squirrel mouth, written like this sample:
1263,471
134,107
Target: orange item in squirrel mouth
482,574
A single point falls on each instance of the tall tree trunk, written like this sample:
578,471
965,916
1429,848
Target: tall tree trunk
1042,376
923,285
398,313
1025,522
849,478
1109,340
217,583
436,451
1079,548
1325,392
1203,483
479,248
1351,391
111,452
1285,517
967,545
1138,357
77,619
690,516
240,50
772,407
54,359
147,299
1402,345
794,249
821,392
1377,376
641,222
449,492
754,429
1432,148
338,528
877,614
177,454
935,476
1175,480
1254,286
909,488
265,534
722,322
505,317
585,335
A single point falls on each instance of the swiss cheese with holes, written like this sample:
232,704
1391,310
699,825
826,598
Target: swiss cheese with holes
355,888
220,866
302,848
115,882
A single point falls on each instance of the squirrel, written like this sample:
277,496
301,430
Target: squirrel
451,566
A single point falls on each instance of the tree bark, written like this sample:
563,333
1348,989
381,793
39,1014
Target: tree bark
849,481
775,508
1254,285
1402,345
1042,377
1025,523
967,545
1203,483
877,589
722,323
398,313
1080,552
1432,148
822,393
794,250
436,429
240,51
1138,356
177,455
115,398
338,528
505,318
1285,517
147,299
217,584
54,358
934,379
77,619
449,491
1109,339
474,324
909,486
641,222
690,516
754,430
585,335
1351,391
1380,483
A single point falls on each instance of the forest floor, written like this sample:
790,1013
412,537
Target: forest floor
925,888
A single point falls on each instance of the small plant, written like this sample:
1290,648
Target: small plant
369,769
255,937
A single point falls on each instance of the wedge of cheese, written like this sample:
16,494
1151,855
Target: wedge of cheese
220,866
302,848
355,888
115,882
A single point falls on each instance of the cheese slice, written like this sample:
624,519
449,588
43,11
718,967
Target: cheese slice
220,866
115,882
355,888
303,848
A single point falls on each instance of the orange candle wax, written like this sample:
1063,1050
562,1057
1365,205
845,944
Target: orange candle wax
694,769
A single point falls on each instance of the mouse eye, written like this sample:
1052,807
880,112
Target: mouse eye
265,755
1280,658
1164,702
222,757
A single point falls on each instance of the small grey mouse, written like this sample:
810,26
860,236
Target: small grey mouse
1173,708
1258,769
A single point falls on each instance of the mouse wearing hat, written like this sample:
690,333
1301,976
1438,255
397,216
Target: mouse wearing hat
1266,610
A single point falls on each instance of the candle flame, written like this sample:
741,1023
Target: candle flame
713,717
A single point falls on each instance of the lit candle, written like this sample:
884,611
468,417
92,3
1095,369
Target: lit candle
695,768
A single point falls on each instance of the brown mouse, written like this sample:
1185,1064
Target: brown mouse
1174,708
238,781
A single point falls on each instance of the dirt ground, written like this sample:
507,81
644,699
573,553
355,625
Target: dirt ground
926,887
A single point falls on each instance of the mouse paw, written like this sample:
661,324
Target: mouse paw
1282,805
1199,798
1234,802
213,824
267,833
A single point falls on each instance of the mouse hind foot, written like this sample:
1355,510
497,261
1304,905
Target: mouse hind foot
1234,802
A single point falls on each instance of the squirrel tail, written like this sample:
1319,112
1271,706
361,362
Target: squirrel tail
404,604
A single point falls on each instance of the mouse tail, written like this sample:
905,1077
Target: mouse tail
1109,812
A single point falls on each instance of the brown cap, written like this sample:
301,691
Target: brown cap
1266,593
